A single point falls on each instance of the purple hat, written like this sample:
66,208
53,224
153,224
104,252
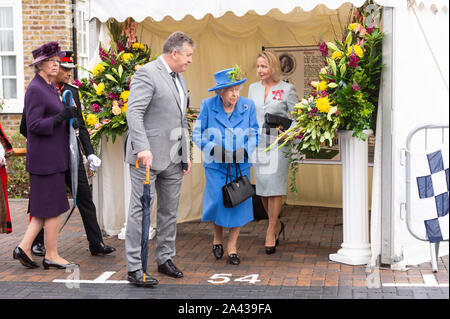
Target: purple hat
46,51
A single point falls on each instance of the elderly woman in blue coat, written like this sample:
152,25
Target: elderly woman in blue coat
226,131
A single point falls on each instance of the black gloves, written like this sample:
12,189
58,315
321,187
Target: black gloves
76,124
65,114
219,154
239,155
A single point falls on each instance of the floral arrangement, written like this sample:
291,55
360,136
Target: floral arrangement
105,93
345,95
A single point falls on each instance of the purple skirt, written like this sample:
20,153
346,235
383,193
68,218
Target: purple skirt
48,197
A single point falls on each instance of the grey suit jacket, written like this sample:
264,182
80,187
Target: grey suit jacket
156,121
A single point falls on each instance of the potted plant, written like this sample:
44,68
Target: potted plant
343,102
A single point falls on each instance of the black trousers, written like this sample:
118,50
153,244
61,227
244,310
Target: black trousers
85,206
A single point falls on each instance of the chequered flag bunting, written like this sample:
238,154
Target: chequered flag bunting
434,188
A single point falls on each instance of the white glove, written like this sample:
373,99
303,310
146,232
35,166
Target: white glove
94,162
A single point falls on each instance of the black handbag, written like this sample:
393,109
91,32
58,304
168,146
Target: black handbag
273,121
259,212
238,190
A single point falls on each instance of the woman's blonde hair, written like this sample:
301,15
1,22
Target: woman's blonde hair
274,64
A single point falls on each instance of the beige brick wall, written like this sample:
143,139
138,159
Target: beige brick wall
43,21
10,124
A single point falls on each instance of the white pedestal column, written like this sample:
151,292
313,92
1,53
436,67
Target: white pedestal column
356,246
108,187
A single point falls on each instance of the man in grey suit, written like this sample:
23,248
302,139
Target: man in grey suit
158,138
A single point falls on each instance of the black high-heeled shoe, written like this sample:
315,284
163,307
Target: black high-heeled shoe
271,249
19,254
279,234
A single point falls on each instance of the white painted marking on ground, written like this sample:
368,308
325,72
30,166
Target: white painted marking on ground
91,281
429,281
104,277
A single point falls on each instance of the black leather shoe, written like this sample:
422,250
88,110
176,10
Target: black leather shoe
38,250
170,269
19,254
218,251
100,248
270,250
47,263
141,279
234,259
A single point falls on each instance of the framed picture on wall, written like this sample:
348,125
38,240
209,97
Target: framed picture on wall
299,66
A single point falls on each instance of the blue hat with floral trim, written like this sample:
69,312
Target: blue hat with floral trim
227,78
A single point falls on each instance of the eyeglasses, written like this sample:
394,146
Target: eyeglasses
234,89
53,61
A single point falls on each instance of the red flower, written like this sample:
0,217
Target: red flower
354,59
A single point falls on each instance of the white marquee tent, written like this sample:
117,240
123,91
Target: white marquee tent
414,89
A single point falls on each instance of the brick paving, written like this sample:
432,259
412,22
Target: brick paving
300,268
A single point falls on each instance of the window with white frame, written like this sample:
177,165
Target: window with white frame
11,56
82,25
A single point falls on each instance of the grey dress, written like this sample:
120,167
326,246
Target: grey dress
270,169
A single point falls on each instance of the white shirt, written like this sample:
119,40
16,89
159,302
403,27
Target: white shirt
177,81
2,155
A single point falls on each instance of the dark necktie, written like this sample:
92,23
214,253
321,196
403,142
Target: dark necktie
173,74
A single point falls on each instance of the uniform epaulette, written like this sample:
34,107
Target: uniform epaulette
74,86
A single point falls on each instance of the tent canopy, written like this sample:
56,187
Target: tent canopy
159,9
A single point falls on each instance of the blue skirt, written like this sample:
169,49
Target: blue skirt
213,208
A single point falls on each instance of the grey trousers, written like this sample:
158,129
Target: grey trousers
167,184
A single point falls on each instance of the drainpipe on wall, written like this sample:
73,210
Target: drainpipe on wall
74,37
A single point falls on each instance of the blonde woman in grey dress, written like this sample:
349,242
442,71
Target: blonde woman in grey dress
271,95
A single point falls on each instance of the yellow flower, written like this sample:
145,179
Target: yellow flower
323,104
354,26
357,49
124,108
100,88
337,55
98,69
115,104
138,46
322,86
124,95
126,57
91,119
116,110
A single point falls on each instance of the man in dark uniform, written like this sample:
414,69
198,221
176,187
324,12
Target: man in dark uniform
84,197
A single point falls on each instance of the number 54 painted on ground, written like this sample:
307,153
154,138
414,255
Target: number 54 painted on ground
224,278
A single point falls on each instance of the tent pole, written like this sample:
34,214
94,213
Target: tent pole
387,182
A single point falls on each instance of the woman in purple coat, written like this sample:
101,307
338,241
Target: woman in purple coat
47,157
